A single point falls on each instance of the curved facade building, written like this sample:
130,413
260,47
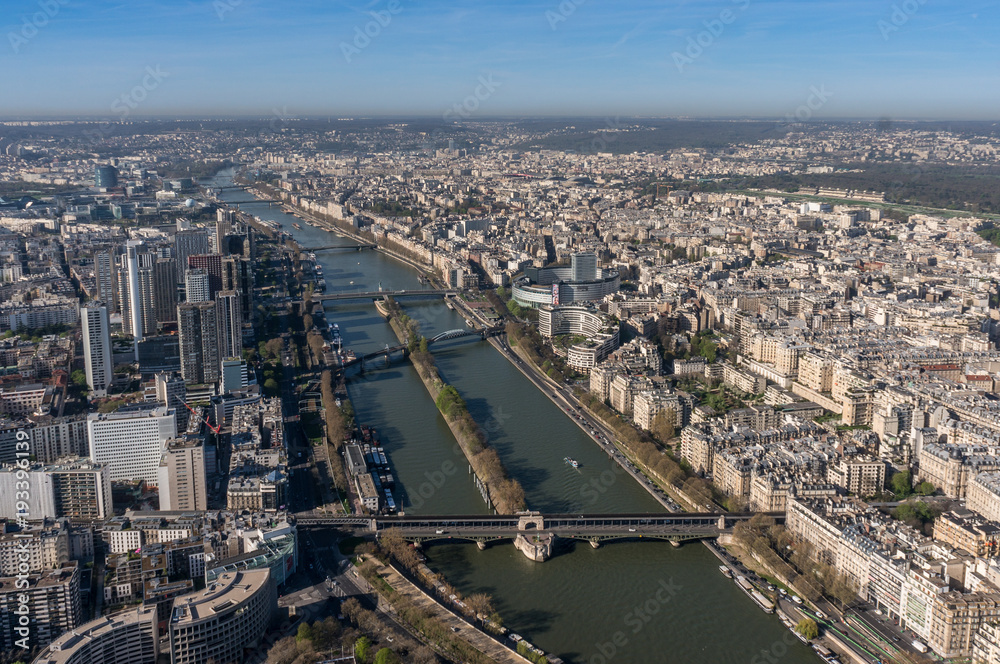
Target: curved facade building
582,281
219,623
127,637
601,331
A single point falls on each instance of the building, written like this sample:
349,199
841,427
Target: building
199,342
968,531
554,286
229,317
171,392
53,438
983,495
165,291
50,601
105,274
76,489
105,176
196,286
130,440
126,637
97,348
212,265
45,544
181,475
136,285
189,243
858,475
601,332
221,622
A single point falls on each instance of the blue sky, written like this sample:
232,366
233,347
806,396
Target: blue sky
870,58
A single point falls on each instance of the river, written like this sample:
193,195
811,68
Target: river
635,602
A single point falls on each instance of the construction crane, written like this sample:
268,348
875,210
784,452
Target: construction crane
215,430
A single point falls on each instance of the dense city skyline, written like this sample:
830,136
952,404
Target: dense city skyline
735,58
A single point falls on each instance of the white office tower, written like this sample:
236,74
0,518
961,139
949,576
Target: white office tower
584,266
132,308
130,441
196,285
181,474
97,348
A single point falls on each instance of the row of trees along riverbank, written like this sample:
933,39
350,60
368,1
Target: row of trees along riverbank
506,493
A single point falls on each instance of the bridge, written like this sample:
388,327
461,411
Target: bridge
388,351
375,295
352,247
531,528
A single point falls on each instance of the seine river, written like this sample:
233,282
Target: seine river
630,602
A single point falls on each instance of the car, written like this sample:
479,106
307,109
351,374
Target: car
796,599
631,530
439,532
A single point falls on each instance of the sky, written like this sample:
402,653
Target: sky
814,59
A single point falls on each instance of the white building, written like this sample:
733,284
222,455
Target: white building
130,441
97,348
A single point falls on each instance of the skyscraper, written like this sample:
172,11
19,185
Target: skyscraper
230,320
97,348
136,287
105,273
196,286
188,243
165,290
199,340
212,264
237,275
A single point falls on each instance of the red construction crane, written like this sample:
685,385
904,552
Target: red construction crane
207,422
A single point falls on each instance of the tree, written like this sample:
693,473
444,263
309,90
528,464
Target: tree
386,656
362,647
79,378
271,386
902,484
808,628
663,424
305,633
480,604
925,489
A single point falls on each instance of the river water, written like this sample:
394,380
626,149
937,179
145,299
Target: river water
635,602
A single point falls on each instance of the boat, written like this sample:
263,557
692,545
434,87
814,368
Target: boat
726,571
572,462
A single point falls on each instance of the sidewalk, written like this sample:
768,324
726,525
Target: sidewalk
460,627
